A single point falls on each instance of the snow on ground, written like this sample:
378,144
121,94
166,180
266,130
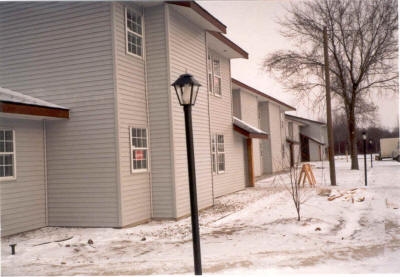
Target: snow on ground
252,231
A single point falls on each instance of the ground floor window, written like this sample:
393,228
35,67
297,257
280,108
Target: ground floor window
7,154
218,153
139,149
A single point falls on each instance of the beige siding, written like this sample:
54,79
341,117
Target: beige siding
314,151
159,103
64,55
187,51
221,123
23,200
276,134
132,112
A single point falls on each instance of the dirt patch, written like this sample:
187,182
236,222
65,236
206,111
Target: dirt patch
222,266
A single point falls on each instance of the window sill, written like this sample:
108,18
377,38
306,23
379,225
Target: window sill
139,171
4,179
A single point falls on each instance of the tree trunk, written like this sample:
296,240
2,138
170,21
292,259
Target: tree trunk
352,139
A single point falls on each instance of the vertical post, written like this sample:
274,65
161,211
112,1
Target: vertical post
365,161
250,161
328,112
192,189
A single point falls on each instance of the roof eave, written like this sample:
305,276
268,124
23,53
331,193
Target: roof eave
33,110
204,14
233,51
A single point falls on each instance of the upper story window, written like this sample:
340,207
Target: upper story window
7,154
290,129
134,32
214,74
139,149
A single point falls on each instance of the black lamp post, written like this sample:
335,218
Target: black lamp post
364,136
370,148
186,88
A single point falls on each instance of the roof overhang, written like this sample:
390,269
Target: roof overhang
225,47
239,85
292,141
303,120
248,130
16,104
314,140
32,110
198,15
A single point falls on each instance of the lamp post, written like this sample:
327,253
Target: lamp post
186,88
370,147
364,136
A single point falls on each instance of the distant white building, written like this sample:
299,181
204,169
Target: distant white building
314,138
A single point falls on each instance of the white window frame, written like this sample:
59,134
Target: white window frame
133,148
215,152
212,74
127,31
14,176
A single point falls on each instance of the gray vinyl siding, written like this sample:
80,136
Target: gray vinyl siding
132,112
62,52
187,52
221,123
158,85
314,149
23,200
265,144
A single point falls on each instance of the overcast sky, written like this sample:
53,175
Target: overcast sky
252,25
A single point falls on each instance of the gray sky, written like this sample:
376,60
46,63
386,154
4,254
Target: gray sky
252,25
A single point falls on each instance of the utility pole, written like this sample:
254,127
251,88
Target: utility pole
328,112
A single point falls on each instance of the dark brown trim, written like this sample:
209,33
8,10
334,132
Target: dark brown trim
18,108
248,134
314,140
240,84
229,43
202,12
250,162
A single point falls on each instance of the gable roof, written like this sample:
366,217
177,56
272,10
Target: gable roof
14,102
266,96
199,15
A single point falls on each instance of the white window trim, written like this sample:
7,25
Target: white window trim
14,153
136,34
213,75
216,156
142,170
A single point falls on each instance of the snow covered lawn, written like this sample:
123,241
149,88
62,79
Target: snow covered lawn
251,231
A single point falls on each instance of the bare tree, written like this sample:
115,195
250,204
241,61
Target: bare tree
363,52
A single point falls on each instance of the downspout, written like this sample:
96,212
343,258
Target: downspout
148,122
45,173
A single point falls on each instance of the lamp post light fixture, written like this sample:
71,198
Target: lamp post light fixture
186,88
364,137
370,147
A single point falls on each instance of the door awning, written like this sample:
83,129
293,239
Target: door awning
12,102
248,130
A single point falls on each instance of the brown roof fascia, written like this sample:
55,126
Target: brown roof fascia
230,43
18,108
261,94
202,12
292,141
248,134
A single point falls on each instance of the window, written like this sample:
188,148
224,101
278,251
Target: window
7,154
134,32
139,149
214,75
290,130
217,153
